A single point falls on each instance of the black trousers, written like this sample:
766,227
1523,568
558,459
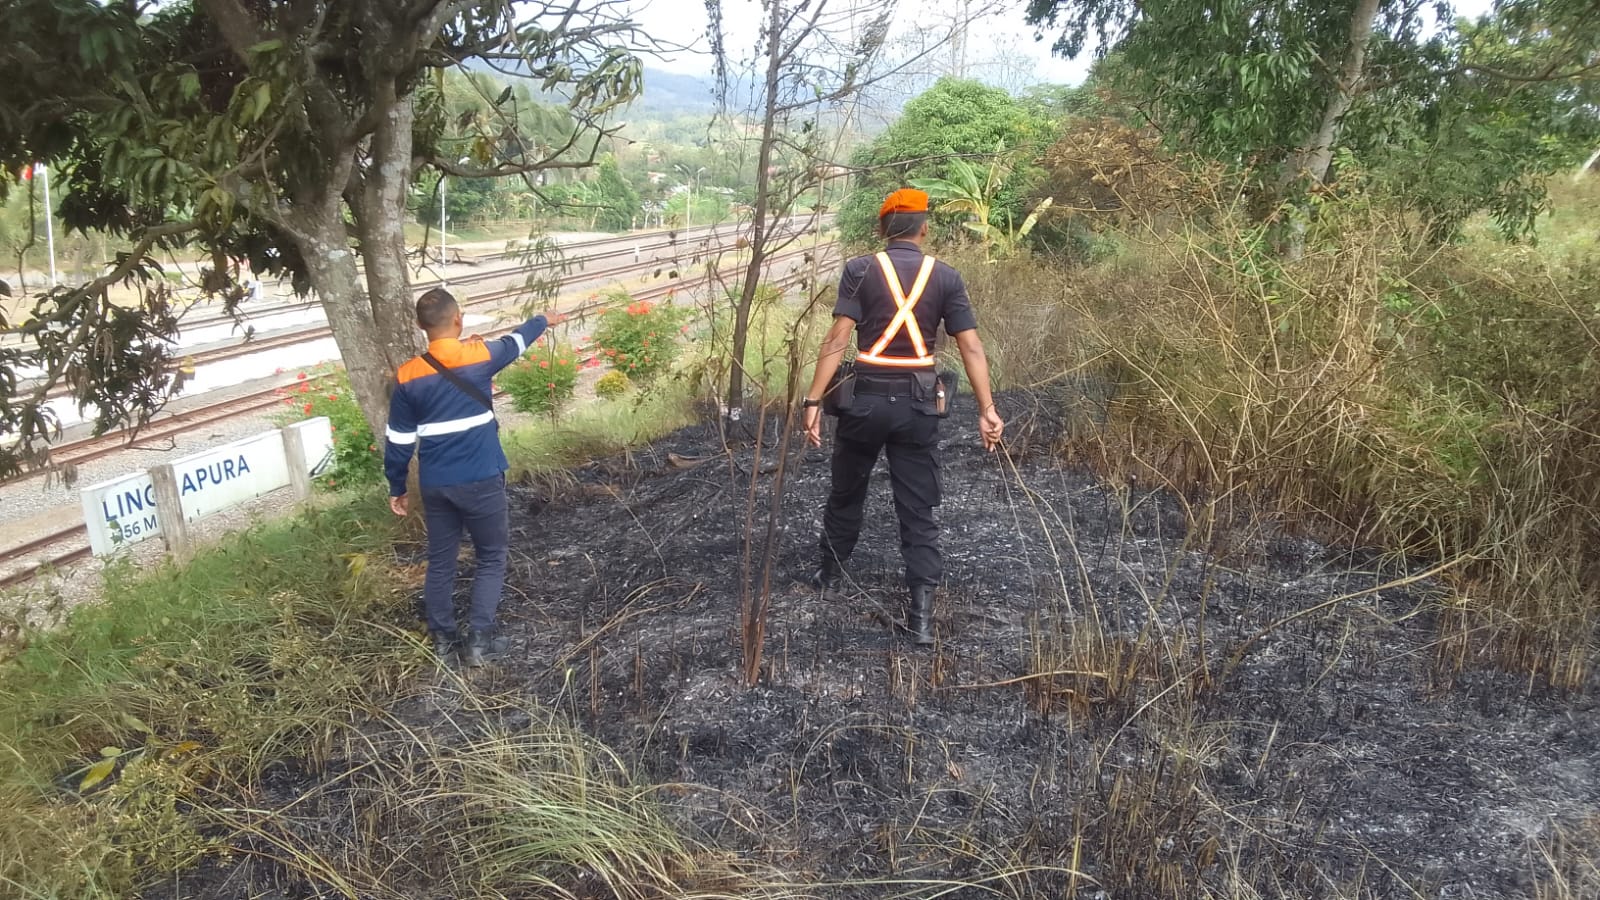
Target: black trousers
877,423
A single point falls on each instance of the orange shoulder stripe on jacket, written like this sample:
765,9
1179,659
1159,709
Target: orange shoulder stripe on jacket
454,355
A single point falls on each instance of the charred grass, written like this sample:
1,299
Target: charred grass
1308,614
237,728
1114,708
1117,707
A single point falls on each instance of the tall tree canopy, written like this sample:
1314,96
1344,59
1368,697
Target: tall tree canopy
1280,86
285,133
954,118
618,202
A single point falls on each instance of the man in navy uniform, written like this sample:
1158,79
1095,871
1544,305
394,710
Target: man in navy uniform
895,301
442,410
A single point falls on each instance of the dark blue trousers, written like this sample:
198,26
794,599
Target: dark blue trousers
477,508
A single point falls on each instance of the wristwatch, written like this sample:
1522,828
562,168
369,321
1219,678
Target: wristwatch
808,403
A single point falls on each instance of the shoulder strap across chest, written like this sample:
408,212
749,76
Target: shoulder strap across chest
463,385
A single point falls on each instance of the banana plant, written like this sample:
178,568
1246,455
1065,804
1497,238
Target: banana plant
973,190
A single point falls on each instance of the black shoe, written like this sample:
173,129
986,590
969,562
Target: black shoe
445,645
829,576
483,648
919,615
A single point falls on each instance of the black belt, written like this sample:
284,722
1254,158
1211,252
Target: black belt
886,385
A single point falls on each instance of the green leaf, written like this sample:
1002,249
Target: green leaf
110,752
97,773
136,723
88,50
263,99
267,46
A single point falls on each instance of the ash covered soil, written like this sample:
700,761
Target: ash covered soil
1328,763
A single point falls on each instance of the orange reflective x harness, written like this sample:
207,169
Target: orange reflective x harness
904,317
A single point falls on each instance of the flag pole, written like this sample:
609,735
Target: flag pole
49,225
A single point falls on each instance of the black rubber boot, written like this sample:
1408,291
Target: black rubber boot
829,576
483,648
445,645
919,616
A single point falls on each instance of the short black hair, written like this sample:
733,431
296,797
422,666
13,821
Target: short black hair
901,224
436,308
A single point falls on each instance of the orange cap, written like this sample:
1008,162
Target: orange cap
905,200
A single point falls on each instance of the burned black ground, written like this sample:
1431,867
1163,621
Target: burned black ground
1328,763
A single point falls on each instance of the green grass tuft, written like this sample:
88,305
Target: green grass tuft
262,648
601,429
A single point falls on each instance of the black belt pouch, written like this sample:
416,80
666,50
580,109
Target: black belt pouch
841,392
932,392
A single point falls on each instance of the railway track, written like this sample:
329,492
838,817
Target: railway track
87,449
255,345
623,244
74,538
75,453
234,351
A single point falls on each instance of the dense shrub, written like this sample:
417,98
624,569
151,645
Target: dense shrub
542,381
640,339
357,458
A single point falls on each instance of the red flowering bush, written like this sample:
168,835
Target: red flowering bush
640,340
357,458
542,380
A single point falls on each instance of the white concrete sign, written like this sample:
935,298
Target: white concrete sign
123,511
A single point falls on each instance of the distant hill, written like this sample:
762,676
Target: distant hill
669,94
666,94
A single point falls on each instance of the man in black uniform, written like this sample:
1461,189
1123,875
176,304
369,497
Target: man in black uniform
896,300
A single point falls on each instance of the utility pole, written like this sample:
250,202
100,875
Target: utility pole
443,280
49,224
691,177
1587,167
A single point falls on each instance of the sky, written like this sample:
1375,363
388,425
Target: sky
684,22
1003,34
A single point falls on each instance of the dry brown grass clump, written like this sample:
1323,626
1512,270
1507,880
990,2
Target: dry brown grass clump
1436,401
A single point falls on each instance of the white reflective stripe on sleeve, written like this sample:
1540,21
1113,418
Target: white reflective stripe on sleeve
522,345
432,429
400,437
